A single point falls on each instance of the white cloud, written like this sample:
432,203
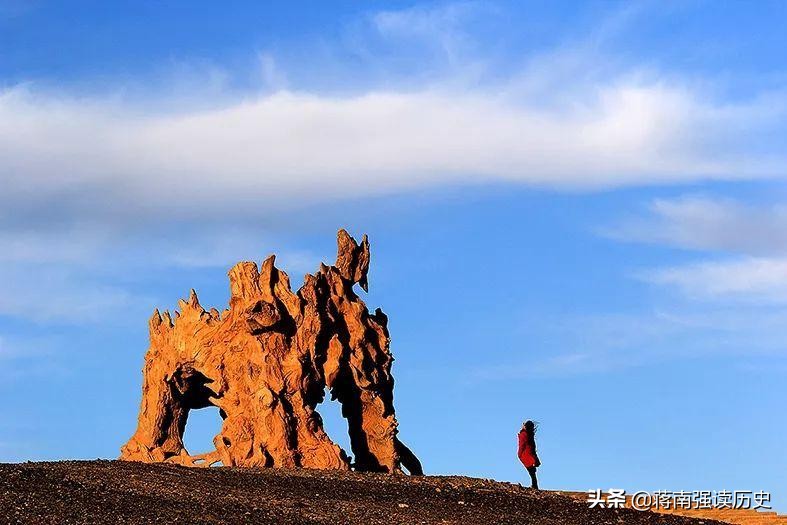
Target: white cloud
52,293
24,357
748,279
753,239
563,118
78,275
438,26
87,174
711,224
224,250
288,146
607,342
50,246
91,175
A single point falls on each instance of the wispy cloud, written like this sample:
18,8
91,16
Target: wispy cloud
225,249
22,358
709,224
438,26
747,245
79,274
51,294
748,279
571,345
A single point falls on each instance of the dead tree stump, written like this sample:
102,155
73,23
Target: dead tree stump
265,363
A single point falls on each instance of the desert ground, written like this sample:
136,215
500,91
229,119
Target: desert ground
72,492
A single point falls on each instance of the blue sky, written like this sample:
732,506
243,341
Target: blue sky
577,215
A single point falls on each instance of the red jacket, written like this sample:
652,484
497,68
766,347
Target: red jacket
527,450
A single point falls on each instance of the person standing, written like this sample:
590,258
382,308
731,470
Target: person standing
527,451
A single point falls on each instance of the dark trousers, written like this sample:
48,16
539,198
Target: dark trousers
533,478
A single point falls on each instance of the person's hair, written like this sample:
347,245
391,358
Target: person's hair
531,425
